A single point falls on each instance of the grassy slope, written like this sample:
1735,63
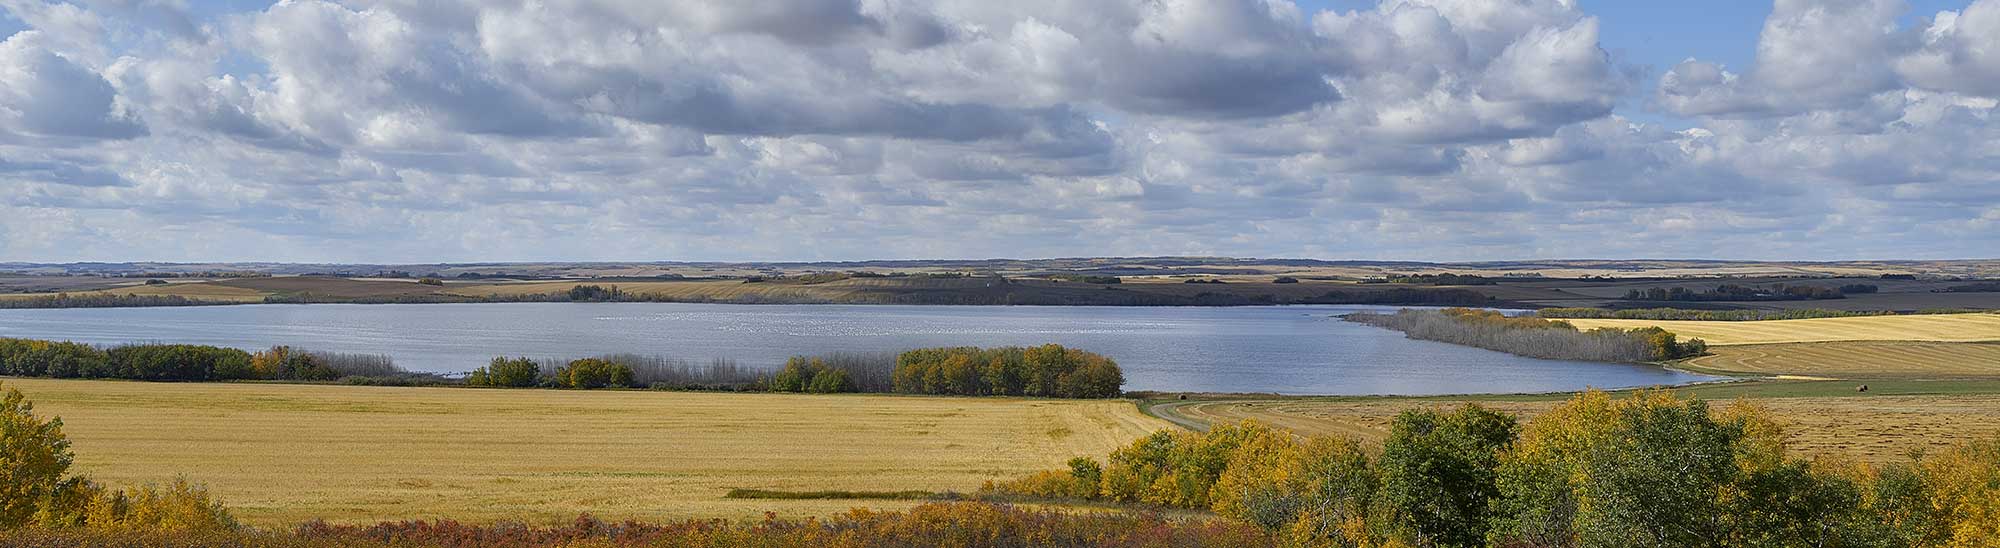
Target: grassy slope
279,454
1935,327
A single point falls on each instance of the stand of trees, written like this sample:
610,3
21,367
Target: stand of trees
1534,337
832,373
1439,279
1651,470
1042,371
1702,315
1087,278
1981,287
183,362
584,374
1406,295
1733,292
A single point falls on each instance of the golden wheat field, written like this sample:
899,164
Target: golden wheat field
1855,360
279,454
1876,428
1921,327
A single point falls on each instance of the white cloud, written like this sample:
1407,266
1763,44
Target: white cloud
1444,129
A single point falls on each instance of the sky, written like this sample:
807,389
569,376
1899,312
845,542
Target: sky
571,130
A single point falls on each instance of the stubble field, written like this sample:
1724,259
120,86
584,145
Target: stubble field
280,454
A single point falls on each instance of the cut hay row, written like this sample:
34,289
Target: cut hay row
1931,327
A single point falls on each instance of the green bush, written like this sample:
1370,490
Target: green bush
594,373
507,373
831,381
1438,472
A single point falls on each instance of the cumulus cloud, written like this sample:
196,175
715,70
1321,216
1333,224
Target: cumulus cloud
380,130
43,94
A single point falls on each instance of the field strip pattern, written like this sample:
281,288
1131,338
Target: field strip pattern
1900,359
1924,327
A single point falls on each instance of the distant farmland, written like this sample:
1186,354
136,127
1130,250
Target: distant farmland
280,454
1932,327
1856,360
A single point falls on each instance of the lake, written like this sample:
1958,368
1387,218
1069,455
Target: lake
1280,349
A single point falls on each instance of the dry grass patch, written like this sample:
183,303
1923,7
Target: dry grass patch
1924,327
1856,360
279,454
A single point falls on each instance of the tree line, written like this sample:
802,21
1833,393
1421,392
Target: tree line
1049,370
101,300
1679,314
1435,279
183,362
1535,337
1648,470
1734,292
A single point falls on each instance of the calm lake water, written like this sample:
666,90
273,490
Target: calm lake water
1281,349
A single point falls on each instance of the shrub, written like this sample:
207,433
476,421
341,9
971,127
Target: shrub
34,461
287,363
830,381
594,373
430,281
36,490
1079,482
506,372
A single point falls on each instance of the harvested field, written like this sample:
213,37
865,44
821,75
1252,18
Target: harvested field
1923,327
201,291
339,288
1855,360
280,454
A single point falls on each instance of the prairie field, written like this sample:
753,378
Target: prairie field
1854,360
207,291
1822,418
1920,327
279,454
